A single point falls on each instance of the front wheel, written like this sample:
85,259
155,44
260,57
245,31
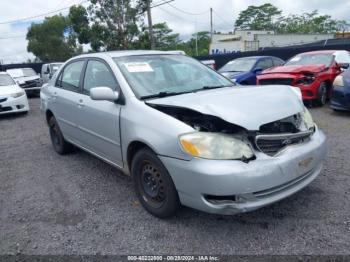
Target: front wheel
153,184
322,94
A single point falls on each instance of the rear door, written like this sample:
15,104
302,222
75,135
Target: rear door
99,120
65,96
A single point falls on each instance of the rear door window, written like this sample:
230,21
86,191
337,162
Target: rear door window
277,62
264,64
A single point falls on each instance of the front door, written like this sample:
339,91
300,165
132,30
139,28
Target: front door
99,120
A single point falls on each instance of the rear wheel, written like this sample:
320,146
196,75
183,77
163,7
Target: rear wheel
322,94
153,184
60,145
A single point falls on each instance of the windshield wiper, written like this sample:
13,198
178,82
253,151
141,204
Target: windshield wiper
164,94
213,87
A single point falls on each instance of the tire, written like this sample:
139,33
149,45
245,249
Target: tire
60,145
321,94
153,185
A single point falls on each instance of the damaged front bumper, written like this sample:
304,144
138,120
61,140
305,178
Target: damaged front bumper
230,187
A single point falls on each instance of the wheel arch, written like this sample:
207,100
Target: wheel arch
48,115
133,148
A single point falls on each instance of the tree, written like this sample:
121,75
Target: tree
190,47
164,38
258,17
269,17
53,39
309,23
106,24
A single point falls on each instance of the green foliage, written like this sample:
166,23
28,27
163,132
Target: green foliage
258,17
269,17
53,39
309,23
190,46
106,24
164,38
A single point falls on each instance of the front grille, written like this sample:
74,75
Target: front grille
272,144
276,81
31,83
5,109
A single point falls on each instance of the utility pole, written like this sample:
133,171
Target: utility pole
150,25
211,23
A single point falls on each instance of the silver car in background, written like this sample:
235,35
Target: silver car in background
48,70
186,134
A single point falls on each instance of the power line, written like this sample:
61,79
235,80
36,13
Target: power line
227,23
12,37
177,16
40,15
162,3
188,13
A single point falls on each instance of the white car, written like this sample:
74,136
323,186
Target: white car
27,79
13,99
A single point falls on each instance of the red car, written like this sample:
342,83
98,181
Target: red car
313,72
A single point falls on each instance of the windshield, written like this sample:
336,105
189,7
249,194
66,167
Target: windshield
311,59
55,67
149,75
28,72
239,65
6,80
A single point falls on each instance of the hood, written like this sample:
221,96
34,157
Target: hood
6,90
23,79
248,107
292,69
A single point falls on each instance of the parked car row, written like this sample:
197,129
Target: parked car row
314,73
16,84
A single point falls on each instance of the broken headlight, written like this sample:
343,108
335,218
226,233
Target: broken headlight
215,146
306,80
339,81
307,118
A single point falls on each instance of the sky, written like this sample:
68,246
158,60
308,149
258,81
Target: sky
183,16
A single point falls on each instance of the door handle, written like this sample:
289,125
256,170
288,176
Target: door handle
80,103
54,96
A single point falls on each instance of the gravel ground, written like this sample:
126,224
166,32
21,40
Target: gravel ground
77,204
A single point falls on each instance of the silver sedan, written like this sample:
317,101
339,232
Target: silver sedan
186,134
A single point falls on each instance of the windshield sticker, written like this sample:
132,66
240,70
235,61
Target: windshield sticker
138,67
295,59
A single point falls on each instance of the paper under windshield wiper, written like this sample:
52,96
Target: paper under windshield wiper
163,94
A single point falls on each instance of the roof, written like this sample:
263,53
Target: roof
258,57
320,52
130,53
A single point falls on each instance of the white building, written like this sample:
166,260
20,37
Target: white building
250,40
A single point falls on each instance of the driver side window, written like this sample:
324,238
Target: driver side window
98,75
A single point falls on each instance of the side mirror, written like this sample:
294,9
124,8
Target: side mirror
103,93
343,65
257,70
47,71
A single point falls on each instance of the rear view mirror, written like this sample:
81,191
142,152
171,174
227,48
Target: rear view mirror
103,93
343,65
